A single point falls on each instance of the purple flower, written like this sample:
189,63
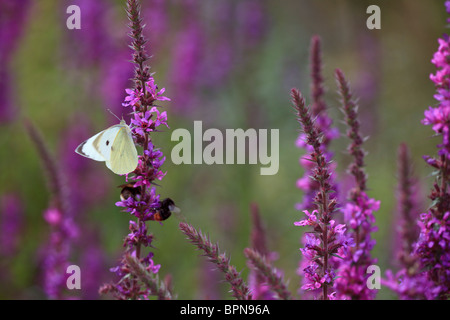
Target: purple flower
135,281
310,221
309,186
433,246
324,123
259,259
324,239
143,124
57,252
358,211
408,282
136,97
59,216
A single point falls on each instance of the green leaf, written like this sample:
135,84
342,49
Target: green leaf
335,255
434,203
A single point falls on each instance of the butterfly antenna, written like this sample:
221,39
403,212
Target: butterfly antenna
114,114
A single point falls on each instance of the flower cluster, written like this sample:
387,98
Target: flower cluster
327,238
338,245
352,283
358,211
144,204
57,251
434,251
433,247
439,117
59,217
309,186
264,280
408,282
141,201
145,96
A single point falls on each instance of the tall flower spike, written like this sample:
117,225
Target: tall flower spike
211,251
271,275
358,211
433,246
408,206
322,121
326,238
59,217
355,149
319,111
409,282
143,202
257,279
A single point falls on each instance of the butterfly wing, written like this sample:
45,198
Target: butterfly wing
123,155
87,149
98,147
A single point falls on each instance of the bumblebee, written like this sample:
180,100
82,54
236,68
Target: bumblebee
128,191
166,206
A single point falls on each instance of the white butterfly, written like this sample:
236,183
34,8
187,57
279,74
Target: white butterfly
115,146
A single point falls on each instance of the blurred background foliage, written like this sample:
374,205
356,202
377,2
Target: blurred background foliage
230,64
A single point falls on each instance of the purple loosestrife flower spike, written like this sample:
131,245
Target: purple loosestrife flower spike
409,282
60,219
433,246
271,275
326,237
408,206
358,212
144,203
211,251
256,279
355,149
319,108
150,278
317,88
322,121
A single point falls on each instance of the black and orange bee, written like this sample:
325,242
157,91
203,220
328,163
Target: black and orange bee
166,206
128,191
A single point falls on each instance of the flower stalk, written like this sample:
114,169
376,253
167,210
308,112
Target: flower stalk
211,251
434,240
326,238
143,203
63,230
358,211
409,283
270,274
